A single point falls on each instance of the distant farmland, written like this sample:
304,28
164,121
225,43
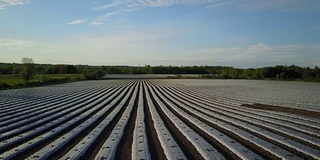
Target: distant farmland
151,119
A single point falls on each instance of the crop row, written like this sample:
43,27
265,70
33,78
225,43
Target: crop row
146,119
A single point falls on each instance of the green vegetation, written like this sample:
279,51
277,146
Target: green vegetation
279,72
30,74
11,80
93,73
27,71
16,81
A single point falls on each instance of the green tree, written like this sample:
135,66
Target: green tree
92,73
317,72
249,73
16,70
114,70
67,69
27,72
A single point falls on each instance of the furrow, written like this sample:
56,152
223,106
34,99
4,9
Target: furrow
160,141
108,148
59,128
155,148
192,142
140,149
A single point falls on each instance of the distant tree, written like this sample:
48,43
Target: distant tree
27,72
49,70
114,70
249,73
67,69
316,72
307,73
16,70
5,70
283,75
147,69
92,73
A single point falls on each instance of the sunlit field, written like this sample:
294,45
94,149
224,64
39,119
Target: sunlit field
150,119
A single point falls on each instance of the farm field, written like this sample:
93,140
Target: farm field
304,95
157,119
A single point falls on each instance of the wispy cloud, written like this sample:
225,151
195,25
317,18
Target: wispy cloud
138,4
127,40
118,7
14,43
109,14
292,6
96,23
8,3
260,53
132,5
78,21
101,19
131,46
113,4
242,5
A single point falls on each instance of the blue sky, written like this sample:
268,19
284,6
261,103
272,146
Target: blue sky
239,33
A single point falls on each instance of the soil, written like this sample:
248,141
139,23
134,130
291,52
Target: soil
297,111
154,144
186,146
124,148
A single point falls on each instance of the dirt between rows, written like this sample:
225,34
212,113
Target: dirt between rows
155,148
297,111
293,150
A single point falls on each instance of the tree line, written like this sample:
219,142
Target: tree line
14,68
279,72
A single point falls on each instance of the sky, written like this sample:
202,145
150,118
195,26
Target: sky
238,33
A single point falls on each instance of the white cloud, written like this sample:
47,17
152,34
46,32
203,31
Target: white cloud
258,55
101,19
96,23
113,4
129,46
163,3
78,21
259,48
14,43
134,47
132,5
119,7
241,5
109,14
125,41
137,4
280,5
8,3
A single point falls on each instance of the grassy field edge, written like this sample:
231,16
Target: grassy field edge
16,81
